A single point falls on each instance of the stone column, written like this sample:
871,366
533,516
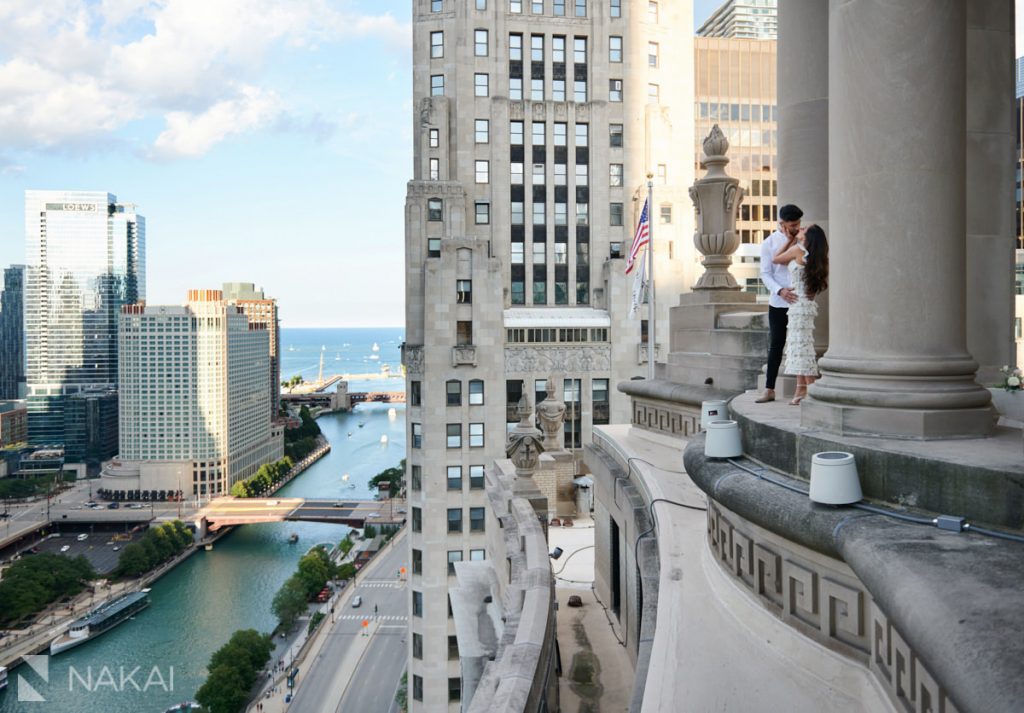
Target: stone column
803,122
897,363
990,185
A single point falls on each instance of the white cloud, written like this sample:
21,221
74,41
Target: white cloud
190,135
71,76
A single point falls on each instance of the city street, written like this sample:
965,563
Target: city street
373,667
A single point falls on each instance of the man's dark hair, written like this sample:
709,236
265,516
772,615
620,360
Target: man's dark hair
790,212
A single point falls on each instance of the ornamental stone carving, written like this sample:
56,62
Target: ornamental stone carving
716,200
531,360
464,356
552,415
412,359
524,441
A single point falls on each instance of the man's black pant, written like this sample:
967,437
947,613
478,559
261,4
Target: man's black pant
778,320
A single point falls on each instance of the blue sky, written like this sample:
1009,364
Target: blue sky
266,141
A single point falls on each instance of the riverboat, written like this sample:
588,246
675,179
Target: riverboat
184,706
294,538
101,619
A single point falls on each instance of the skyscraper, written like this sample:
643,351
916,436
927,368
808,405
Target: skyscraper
536,127
751,19
86,258
12,340
195,410
261,311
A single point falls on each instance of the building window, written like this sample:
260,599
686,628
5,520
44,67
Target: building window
463,333
615,174
517,211
537,90
614,90
476,435
454,519
558,90
652,12
515,5
539,215
476,477
476,519
614,49
558,8
515,88
435,138
616,8
436,45
417,684
415,393
435,209
453,393
652,54
464,291
615,214
434,169
480,43
417,520
417,642
455,689
518,256
615,135
417,435
599,401
433,250
483,213
453,435
540,253
435,5
518,292
579,50
537,7
557,49
476,392
515,47
417,610
477,555
581,8
538,136
653,93
481,85
515,132
437,85
666,214
417,565
561,254
582,175
582,214
579,91
560,131
453,648
662,174
416,477
516,178
483,170
561,209
453,557
537,48
560,177
481,4
454,477
482,130
582,135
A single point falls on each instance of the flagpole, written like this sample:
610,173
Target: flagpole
651,312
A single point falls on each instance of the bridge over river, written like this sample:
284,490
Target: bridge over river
225,511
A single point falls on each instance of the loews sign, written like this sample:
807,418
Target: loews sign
80,207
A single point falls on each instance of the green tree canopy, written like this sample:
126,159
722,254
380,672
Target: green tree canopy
290,602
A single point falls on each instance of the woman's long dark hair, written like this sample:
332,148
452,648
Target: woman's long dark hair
816,269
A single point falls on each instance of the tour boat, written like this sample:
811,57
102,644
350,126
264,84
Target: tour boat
294,538
101,619
184,706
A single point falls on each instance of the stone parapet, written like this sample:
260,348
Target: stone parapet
933,615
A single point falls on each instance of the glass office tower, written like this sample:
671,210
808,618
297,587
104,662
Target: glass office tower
86,258
12,342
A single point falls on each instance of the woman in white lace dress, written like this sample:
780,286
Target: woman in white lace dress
807,258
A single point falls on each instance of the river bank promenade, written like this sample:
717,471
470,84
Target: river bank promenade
329,659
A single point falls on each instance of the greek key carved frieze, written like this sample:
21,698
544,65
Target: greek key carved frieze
656,417
828,604
529,360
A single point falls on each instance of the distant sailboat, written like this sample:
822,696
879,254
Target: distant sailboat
375,347
384,439
345,477
392,413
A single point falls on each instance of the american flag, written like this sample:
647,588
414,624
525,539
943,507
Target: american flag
640,238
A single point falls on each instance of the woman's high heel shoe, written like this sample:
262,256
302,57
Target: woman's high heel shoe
798,396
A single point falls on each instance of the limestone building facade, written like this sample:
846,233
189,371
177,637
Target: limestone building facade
535,126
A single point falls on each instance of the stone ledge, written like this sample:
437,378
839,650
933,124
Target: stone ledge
955,598
981,479
665,390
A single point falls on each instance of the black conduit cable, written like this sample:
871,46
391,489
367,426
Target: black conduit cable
914,519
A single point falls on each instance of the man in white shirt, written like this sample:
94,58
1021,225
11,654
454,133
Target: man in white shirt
776,279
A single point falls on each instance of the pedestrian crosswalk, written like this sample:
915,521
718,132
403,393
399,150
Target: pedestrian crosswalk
370,617
389,583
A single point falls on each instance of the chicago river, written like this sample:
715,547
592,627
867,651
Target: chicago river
198,605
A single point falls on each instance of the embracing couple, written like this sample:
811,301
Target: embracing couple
794,268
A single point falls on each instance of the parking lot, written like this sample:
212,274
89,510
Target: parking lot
101,548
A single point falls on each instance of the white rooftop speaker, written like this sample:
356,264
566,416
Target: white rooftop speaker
723,440
834,479
712,411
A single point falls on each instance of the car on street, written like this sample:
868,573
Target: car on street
357,601
400,510
373,514
65,548
134,506
115,548
92,503
83,537
113,506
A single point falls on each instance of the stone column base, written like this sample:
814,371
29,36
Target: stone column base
920,424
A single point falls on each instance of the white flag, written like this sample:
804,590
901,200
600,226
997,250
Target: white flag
639,287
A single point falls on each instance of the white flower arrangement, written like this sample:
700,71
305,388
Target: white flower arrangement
1011,378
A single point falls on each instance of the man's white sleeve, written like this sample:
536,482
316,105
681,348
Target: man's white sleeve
766,267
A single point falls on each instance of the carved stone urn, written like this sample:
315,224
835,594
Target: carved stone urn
552,415
524,441
716,198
